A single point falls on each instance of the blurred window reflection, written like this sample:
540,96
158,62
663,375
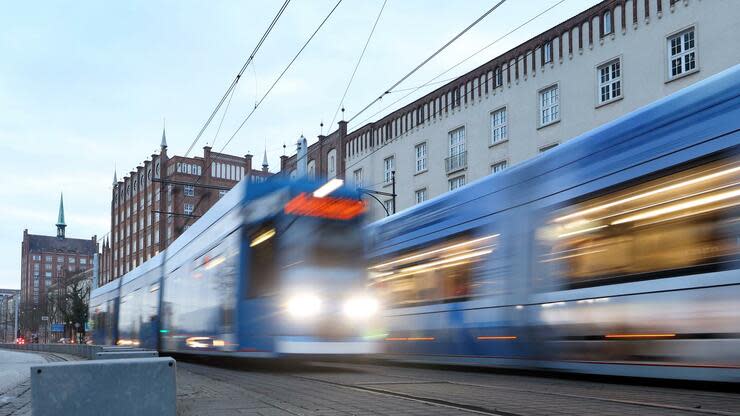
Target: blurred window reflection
446,271
685,221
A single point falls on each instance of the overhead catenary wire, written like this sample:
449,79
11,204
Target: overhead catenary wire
282,73
425,61
256,106
426,119
233,84
432,80
223,116
357,65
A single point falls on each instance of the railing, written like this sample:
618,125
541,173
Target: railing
456,162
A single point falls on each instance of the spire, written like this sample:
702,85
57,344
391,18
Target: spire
115,177
265,166
164,135
60,220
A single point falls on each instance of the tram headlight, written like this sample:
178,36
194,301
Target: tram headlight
305,305
360,307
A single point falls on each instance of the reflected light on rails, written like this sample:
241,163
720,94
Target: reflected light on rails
497,338
630,336
410,339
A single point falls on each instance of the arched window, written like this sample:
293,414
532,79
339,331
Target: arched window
293,174
312,169
332,158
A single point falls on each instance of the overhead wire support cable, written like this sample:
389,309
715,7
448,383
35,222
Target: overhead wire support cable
439,75
232,86
357,65
424,62
281,74
269,90
433,80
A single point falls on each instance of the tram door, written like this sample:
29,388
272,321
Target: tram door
260,282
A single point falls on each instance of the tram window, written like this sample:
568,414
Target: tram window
446,271
262,273
686,222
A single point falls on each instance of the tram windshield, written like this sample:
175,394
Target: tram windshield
305,249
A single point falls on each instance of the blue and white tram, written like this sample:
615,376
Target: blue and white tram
272,269
615,253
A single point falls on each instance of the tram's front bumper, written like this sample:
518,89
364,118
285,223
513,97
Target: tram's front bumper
308,346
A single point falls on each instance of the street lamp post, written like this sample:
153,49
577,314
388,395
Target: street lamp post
392,194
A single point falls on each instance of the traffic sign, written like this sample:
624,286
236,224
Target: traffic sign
57,327
44,318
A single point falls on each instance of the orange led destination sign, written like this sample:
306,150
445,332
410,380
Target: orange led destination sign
325,207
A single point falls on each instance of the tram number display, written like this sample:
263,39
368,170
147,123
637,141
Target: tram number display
325,207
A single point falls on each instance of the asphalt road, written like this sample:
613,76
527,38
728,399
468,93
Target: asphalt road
254,388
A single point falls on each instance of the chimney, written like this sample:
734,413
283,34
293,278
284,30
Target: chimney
248,159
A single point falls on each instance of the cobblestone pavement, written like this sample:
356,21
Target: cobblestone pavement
15,390
239,388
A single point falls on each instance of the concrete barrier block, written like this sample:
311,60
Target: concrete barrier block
115,355
112,387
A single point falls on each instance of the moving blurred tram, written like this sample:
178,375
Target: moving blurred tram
614,253
272,269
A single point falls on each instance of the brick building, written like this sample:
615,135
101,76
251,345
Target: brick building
157,201
590,69
45,260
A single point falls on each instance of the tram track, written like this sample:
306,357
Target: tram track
419,399
642,403
439,388
483,410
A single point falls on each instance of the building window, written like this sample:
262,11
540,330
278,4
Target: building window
499,166
389,206
608,23
189,190
36,257
548,147
311,169
188,209
549,105
71,260
548,52
388,168
357,177
420,195
457,182
421,157
499,77
456,150
498,126
610,81
682,53
332,163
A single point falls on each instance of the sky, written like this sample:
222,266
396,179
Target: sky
86,87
